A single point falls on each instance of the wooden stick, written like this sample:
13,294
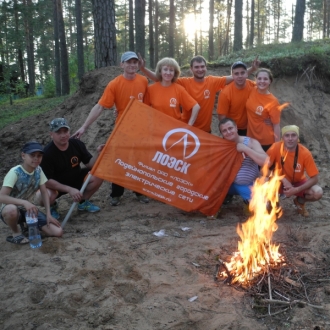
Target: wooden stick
288,303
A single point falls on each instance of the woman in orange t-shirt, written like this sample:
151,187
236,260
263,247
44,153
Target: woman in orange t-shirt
263,111
168,97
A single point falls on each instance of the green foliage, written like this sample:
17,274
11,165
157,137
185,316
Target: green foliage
24,108
286,59
49,87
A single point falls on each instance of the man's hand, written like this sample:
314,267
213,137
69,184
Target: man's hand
256,63
79,133
240,147
52,220
75,194
268,121
30,208
100,148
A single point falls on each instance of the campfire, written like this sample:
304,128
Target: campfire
256,252
258,267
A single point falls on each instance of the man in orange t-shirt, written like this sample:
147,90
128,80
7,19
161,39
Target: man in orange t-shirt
118,92
233,97
201,87
293,160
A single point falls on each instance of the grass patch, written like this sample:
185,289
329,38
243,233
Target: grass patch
27,107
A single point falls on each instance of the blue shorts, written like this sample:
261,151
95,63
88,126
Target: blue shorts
242,190
42,219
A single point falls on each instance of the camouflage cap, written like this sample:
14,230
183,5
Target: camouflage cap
58,123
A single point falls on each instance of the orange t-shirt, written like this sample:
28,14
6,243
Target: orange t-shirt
204,93
232,103
260,107
169,99
120,90
305,162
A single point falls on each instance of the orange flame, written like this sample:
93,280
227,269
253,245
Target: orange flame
255,249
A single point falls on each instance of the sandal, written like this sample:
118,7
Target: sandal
20,239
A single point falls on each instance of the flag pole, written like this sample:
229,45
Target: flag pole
74,204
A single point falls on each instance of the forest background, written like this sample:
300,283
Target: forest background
49,45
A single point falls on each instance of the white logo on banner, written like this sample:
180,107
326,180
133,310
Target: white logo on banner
184,140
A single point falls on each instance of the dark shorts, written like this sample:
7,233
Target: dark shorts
296,184
77,182
42,219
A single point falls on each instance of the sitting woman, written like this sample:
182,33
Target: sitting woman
263,111
167,96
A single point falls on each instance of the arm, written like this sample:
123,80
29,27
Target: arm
150,74
7,199
254,151
220,117
93,115
73,192
290,190
255,65
277,132
194,114
45,200
92,161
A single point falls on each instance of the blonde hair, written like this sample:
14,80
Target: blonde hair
270,75
169,62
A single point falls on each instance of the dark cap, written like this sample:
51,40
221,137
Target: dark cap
127,56
58,123
31,147
239,64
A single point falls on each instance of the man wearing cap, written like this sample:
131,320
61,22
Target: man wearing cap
18,189
118,92
233,97
61,165
201,87
292,159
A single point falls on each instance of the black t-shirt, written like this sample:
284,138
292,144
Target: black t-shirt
64,166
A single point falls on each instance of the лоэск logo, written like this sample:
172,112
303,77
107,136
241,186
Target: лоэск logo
184,139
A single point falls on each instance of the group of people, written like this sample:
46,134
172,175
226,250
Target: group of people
249,115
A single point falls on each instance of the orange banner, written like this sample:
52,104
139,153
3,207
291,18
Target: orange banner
168,160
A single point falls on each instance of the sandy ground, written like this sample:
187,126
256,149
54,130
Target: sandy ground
109,271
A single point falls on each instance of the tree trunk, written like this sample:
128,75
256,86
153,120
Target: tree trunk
225,45
196,39
57,52
252,25
63,51
140,35
131,25
104,33
28,5
238,34
211,30
156,21
298,26
171,29
80,40
151,37
19,44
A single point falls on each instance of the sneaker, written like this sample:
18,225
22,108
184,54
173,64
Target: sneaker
143,199
115,201
301,208
54,211
88,206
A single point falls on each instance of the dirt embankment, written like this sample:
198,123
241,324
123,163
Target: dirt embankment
110,272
